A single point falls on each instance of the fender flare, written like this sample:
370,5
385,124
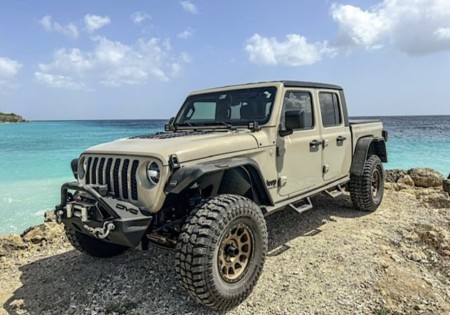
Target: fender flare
364,148
184,177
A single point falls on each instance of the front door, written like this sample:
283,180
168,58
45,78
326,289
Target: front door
299,155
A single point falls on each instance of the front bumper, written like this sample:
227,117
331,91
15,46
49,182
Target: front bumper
90,211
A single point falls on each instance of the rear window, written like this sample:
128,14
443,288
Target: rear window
330,109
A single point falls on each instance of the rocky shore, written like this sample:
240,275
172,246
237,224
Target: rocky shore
330,260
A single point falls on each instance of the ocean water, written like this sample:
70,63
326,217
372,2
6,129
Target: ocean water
35,157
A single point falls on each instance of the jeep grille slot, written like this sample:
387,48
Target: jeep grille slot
134,193
120,175
101,173
116,178
126,162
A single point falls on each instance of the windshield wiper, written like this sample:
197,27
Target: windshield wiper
223,123
206,125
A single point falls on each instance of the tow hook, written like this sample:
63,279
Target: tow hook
101,233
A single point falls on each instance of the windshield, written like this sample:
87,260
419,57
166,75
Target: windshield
228,108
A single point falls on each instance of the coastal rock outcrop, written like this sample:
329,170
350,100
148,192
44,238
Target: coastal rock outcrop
44,232
11,242
49,232
418,177
425,184
426,177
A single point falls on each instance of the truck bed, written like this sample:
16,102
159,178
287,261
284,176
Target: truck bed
363,128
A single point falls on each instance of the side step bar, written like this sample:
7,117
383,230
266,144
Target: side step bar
337,191
304,207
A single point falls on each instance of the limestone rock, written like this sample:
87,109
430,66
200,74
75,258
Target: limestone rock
17,304
10,243
47,231
392,176
49,216
417,256
426,177
406,180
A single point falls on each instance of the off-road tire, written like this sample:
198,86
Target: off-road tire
201,247
92,246
366,190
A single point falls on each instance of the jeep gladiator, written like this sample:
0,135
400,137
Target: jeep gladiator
202,187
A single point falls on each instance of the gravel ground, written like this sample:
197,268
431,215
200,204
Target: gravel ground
330,260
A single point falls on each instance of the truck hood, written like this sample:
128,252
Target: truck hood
186,145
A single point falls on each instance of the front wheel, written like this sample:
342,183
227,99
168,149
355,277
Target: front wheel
221,251
367,189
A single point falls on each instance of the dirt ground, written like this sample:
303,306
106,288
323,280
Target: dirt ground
330,260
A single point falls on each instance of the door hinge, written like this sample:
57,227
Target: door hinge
280,151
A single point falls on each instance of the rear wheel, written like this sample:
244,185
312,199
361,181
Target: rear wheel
221,251
92,246
367,189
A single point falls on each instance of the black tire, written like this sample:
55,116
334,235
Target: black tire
221,251
366,190
92,246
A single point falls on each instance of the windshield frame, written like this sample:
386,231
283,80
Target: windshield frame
265,95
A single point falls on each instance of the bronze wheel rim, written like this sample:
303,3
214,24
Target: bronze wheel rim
375,183
235,253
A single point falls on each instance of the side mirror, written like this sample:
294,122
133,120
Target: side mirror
169,125
293,119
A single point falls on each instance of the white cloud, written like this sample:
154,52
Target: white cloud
66,71
8,67
112,63
294,51
70,61
188,6
442,33
358,27
58,81
415,27
69,30
139,16
187,33
8,70
95,22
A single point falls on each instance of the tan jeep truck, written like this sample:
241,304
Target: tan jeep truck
231,156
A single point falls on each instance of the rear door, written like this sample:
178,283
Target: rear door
336,137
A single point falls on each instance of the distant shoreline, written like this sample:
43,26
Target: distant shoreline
166,119
11,118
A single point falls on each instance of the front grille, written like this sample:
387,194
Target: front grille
116,173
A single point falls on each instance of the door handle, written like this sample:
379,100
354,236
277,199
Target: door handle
341,138
315,143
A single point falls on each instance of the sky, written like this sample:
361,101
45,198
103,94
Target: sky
103,59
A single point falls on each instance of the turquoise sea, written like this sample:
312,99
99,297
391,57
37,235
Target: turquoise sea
35,157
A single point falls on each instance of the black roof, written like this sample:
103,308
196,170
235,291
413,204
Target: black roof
286,83
311,85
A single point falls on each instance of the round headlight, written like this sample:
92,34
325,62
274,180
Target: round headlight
153,173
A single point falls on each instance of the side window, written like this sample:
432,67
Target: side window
299,101
330,109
